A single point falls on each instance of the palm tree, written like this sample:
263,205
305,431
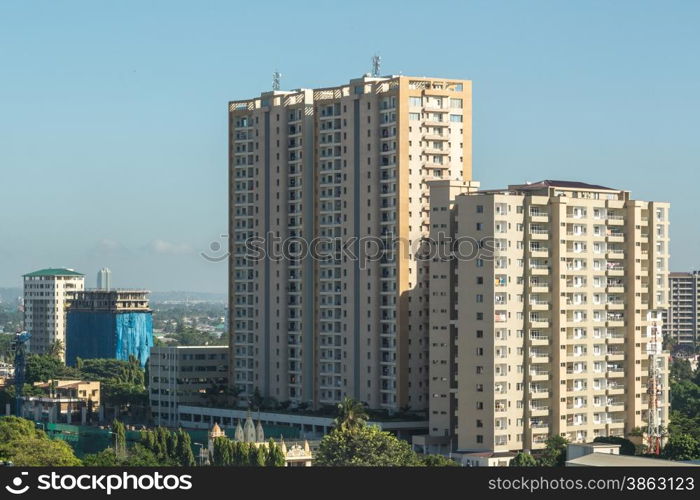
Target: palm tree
351,414
57,349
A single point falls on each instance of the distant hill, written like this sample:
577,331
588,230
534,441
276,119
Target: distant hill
188,296
9,295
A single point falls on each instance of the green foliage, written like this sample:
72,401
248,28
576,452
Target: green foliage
523,460
43,367
138,456
437,461
627,447
681,370
274,457
554,454
26,446
183,451
351,414
112,370
168,447
105,458
191,336
681,447
230,453
119,431
364,445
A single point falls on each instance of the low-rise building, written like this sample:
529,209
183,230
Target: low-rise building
186,375
66,401
296,454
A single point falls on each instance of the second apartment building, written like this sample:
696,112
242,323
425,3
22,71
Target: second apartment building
545,312
334,165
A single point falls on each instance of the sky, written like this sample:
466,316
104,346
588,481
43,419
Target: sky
113,115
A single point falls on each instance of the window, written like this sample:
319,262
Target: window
455,103
415,101
479,209
479,298
479,316
414,116
479,334
479,226
479,438
456,118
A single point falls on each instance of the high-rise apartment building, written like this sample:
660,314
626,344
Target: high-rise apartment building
47,294
681,318
545,309
340,171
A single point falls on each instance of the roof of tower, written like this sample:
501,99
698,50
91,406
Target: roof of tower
58,271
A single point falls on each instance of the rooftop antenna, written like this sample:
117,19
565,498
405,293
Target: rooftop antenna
276,79
376,64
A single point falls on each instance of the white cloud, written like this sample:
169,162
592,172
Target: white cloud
161,247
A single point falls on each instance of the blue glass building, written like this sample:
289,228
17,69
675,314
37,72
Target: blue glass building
112,324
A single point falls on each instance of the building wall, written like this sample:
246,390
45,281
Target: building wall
340,162
109,335
179,375
46,299
681,318
554,319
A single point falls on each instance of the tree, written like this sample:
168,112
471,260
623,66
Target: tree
523,460
437,461
56,349
105,458
183,452
681,447
256,455
627,447
275,457
42,368
119,431
26,446
351,414
364,445
554,454
681,370
43,453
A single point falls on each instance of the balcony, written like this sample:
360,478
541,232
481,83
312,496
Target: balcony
539,305
539,410
539,286
539,233
539,339
538,375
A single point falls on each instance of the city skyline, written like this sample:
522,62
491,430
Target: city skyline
148,134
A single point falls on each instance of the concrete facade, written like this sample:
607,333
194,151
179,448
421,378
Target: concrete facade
338,163
681,322
47,295
544,321
182,375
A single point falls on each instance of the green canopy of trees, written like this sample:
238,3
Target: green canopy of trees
523,460
237,454
26,446
169,447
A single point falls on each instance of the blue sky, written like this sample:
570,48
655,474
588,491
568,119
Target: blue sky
113,114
